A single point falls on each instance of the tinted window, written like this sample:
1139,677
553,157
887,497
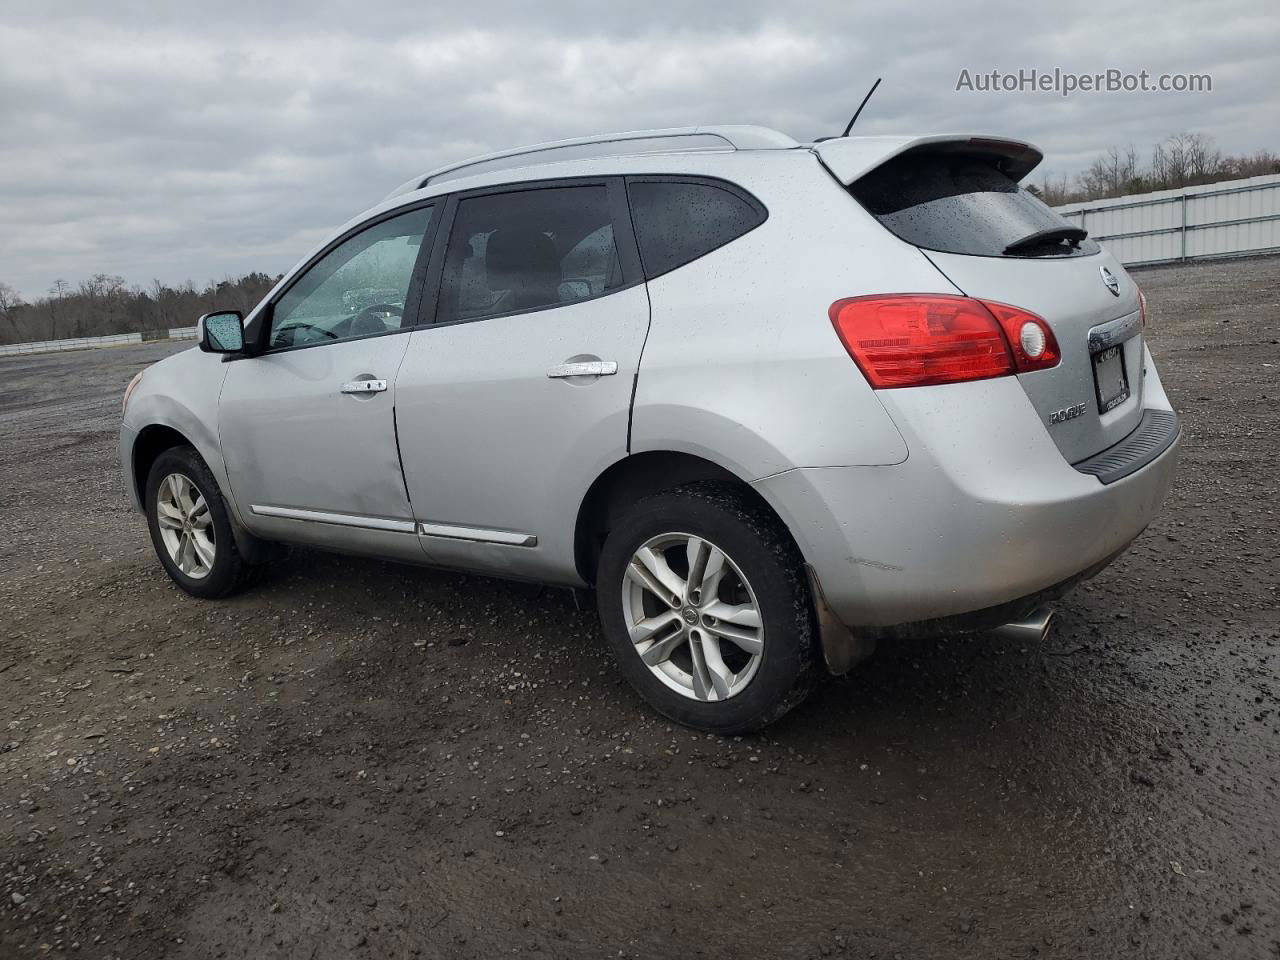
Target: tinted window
960,204
677,222
357,289
511,252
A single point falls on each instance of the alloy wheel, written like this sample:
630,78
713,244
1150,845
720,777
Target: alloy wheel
692,616
186,525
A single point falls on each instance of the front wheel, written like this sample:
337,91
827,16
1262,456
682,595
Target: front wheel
704,601
191,527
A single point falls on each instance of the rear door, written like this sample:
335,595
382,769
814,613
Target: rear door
959,202
516,392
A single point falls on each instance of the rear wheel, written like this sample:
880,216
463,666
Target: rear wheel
704,601
191,527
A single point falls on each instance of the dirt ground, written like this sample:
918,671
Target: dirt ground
358,759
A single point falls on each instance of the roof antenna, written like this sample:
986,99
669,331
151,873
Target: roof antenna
857,113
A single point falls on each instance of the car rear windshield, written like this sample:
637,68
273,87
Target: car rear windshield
958,203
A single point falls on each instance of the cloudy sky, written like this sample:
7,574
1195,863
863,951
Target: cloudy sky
190,141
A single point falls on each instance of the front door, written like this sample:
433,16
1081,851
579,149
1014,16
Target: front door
517,396
308,427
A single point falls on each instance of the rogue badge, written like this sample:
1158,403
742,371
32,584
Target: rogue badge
1067,413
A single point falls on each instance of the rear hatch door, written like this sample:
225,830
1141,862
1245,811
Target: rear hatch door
958,200
1083,399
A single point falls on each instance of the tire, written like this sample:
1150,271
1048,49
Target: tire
762,579
228,571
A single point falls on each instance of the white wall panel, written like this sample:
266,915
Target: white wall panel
1226,219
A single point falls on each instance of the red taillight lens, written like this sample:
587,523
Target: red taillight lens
916,339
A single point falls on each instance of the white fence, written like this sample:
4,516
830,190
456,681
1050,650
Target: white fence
1230,219
89,343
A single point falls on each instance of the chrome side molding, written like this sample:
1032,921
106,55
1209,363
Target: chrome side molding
449,531
340,519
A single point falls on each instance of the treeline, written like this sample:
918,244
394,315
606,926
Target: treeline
105,304
1181,160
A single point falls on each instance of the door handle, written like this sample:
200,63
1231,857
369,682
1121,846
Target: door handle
584,368
364,386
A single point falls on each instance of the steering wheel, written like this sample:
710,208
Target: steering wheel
297,326
390,309
370,319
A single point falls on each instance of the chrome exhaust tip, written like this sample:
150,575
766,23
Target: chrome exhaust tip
1031,630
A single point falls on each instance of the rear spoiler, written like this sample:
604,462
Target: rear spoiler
851,157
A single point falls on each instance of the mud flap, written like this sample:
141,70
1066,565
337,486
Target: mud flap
842,649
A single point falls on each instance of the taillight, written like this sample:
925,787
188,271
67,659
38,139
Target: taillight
1142,308
917,339
1033,343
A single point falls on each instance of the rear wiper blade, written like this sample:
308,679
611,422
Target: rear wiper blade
1072,235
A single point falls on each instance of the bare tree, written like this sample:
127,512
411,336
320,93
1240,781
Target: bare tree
9,303
163,299
105,303
1180,160
57,294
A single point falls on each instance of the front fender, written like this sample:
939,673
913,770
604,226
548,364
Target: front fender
181,393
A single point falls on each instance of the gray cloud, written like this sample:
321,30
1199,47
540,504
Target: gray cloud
163,141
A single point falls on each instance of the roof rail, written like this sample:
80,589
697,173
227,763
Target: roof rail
668,140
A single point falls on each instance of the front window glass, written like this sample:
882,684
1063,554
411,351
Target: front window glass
358,289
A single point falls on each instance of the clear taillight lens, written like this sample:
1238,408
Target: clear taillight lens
1033,343
913,340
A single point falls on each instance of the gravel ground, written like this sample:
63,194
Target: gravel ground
361,759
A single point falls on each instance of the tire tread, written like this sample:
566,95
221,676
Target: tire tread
723,501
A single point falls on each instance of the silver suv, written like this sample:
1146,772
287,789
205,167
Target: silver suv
772,400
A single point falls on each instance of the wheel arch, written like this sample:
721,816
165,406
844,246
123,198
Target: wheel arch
633,478
643,474
151,441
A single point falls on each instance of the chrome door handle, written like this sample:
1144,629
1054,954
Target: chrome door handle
364,386
584,368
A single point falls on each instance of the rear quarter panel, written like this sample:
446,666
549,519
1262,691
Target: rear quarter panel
742,365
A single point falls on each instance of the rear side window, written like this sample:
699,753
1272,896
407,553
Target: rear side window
526,250
678,221
962,204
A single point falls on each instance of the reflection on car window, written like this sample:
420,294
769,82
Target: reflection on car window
528,249
677,222
357,289
960,204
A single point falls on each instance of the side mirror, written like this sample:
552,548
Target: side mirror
221,332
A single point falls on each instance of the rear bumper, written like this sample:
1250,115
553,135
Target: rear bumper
981,515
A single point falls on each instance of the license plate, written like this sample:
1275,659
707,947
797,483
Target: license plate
1110,378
